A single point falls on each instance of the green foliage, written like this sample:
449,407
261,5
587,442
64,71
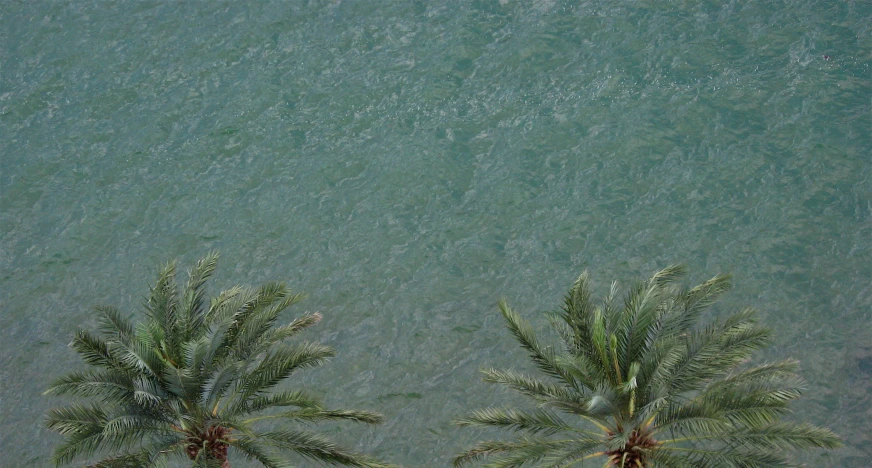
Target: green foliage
643,385
195,379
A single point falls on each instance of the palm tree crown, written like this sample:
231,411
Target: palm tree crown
194,380
641,385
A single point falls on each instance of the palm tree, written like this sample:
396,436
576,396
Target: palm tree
640,385
195,379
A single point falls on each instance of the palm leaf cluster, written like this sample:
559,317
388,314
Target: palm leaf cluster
194,379
640,384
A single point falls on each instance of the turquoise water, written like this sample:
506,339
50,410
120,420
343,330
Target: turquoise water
409,163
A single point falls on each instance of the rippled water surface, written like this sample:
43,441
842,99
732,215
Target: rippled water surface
408,163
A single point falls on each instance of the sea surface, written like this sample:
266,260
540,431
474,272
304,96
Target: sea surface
409,163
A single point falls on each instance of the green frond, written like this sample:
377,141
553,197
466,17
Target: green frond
536,421
742,406
641,312
126,429
105,385
143,354
89,430
277,366
215,356
221,306
256,325
602,350
281,333
222,378
147,458
668,275
192,308
785,436
112,324
249,306
543,358
163,302
75,419
295,398
585,370
675,457
710,353
95,351
259,332
571,452
683,421
318,414
597,409
527,385
559,323
577,312
703,296
610,308
147,393
78,444
312,446
530,449
578,302
253,450
195,354
517,459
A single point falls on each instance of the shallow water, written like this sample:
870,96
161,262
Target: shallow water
407,164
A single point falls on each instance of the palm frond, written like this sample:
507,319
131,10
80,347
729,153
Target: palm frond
131,460
572,452
543,358
192,309
529,449
112,324
641,312
88,430
312,446
277,366
526,385
151,457
668,275
709,353
163,302
319,414
221,307
533,422
676,457
78,444
105,385
95,351
76,418
771,374
295,398
785,436
259,332
253,450
700,298
220,381
248,306
278,334
577,311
